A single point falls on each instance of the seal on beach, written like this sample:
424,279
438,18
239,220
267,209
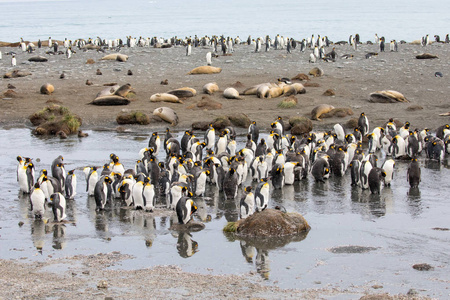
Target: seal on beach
262,91
167,114
123,90
316,72
47,89
181,93
320,110
210,88
165,97
232,93
38,59
204,70
387,96
110,100
108,91
186,88
275,92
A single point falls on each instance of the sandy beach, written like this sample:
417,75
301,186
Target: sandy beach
351,79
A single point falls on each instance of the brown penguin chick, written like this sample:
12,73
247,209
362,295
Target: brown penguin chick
88,82
11,87
99,72
62,135
165,82
62,75
129,73
82,134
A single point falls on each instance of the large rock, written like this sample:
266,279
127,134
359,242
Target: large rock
208,103
53,119
221,122
300,125
272,222
240,120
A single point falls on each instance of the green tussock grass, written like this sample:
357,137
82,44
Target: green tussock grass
230,227
72,123
287,104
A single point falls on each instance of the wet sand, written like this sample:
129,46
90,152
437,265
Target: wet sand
353,80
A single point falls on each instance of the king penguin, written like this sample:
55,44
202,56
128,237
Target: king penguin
148,195
363,124
37,199
247,203
413,175
71,185
58,206
103,192
185,208
262,195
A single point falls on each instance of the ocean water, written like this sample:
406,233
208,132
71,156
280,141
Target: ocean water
395,19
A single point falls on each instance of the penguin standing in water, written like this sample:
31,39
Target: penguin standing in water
26,178
91,180
355,166
185,208
247,203
59,173
148,195
277,176
320,169
388,167
413,175
71,185
262,195
125,190
375,176
366,166
58,206
253,130
363,124
230,183
37,200
102,192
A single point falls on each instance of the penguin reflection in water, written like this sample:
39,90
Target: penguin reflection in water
186,246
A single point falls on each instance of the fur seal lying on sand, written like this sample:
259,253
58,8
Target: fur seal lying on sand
38,59
180,93
110,100
116,56
426,56
320,110
167,114
387,96
205,70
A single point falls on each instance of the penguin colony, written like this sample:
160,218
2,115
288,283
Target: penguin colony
264,163
316,45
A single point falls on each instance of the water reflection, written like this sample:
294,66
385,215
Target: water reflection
59,239
38,234
186,246
414,202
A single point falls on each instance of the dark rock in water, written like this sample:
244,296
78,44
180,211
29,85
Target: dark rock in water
352,249
38,59
133,118
272,223
426,56
110,101
221,122
190,226
300,125
422,267
240,120
202,125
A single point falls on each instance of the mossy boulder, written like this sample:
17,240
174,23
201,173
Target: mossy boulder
288,102
55,118
136,117
300,125
269,224
200,125
221,122
240,120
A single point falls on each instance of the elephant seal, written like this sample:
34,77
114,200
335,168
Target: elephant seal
111,100
262,91
289,90
275,92
181,93
299,88
231,93
47,89
123,90
108,91
320,110
205,70
194,92
210,88
160,97
167,114
116,56
38,59
426,56
387,96
316,72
